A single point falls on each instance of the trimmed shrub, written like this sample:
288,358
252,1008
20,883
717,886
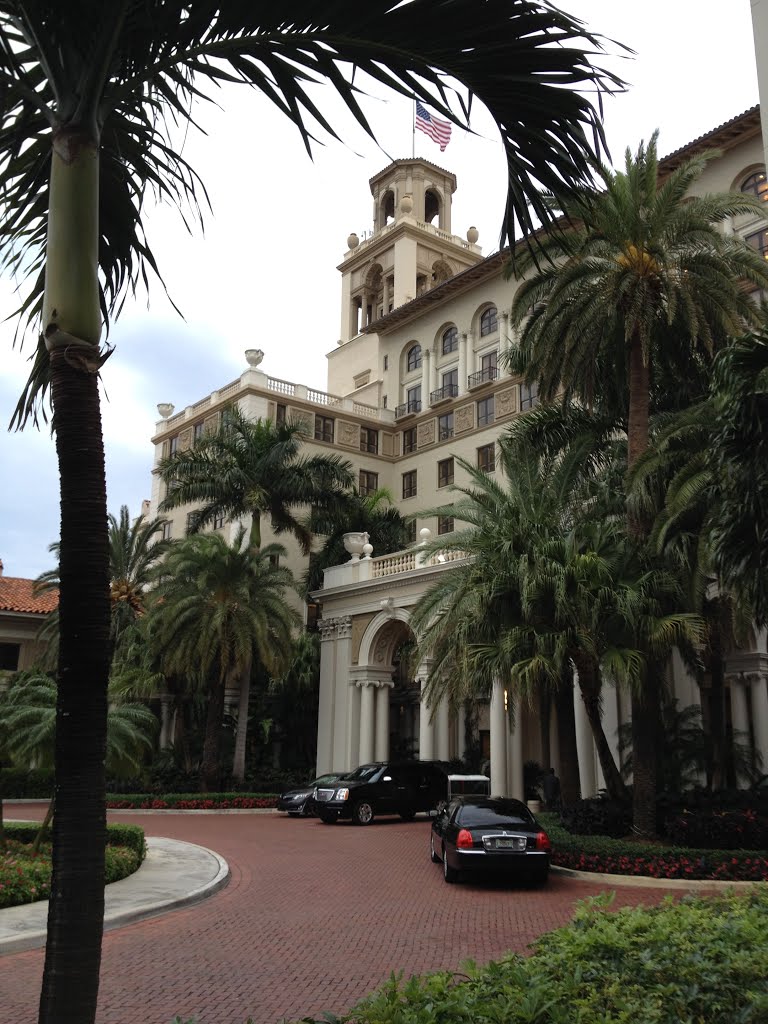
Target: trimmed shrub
626,857
691,960
597,817
130,836
723,830
190,801
22,783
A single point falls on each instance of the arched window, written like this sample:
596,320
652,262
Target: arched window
450,340
757,185
413,360
489,322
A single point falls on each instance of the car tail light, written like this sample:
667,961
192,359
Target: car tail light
542,842
464,840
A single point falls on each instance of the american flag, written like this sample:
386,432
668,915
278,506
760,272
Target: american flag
438,131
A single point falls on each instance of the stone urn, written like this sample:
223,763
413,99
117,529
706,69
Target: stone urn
353,241
253,356
355,543
472,235
406,204
165,409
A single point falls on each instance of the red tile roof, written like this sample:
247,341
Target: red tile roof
16,595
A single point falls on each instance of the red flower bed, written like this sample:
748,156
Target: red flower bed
191,802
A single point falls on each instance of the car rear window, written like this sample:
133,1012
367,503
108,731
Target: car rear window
473,816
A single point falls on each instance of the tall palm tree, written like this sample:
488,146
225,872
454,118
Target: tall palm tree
90,94
218,607
642,283
254,468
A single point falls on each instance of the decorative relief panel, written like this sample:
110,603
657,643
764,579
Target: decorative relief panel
506,402
390,443
185,439
359,626
464,418
211,424
348,434
425,434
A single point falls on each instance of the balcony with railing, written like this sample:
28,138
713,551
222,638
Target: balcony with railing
484,376
408,409
443,394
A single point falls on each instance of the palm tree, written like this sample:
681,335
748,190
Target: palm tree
642,282
254,468
374,514
90,94
217,607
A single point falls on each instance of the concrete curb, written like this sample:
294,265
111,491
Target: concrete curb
174,874
647,882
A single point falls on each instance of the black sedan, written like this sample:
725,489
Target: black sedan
298,802
489,835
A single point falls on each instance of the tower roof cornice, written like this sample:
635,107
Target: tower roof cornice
412,162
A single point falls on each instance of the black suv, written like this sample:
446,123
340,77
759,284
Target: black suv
386,787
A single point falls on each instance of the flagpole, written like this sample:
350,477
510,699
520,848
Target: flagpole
413,131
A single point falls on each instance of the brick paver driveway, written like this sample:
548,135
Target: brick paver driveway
313,918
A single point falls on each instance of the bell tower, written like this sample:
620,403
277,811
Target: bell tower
411,248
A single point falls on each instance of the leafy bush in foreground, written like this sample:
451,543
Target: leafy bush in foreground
696,961
131,836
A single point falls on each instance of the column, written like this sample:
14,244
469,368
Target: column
739,716
610,717
382,721
165,721
342,752
498,740
760,715
432,371
426,728
461,731
554,742
462,362
505,341
325,708
425,377
514,738
584,747
442,731
367,711
387,294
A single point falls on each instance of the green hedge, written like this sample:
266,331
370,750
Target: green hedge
623,857
190,801
695,961
25,784
26,877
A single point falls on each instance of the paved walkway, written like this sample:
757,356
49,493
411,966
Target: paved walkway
313,918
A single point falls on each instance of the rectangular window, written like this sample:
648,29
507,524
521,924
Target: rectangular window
489,361
409,440
413,399
369,483
411,526
167,530
369,440
280,413
198,431
386,362
486,458
218,523
174,445
445,472
190,522
445,426
445,524
409,484
274,561
529,396
485,411
384,403
324,428
759,240
9,657
451,382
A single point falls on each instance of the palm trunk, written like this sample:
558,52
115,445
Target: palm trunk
241,735
545,717
72,326
44,826
210,769
570,782
590,686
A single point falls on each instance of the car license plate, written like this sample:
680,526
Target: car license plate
510,844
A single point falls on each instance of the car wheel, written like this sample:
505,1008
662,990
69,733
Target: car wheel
432,851
408,815
328,817
449,874
362,813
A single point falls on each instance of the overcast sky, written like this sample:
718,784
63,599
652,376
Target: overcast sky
264,273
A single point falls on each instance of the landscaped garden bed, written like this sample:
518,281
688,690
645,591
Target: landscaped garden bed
696,959
191,801
25,876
